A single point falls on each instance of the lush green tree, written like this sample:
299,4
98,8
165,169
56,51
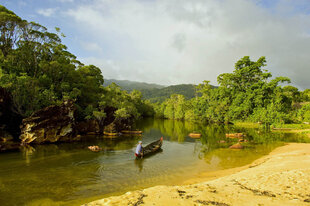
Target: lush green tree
304,113
248,93
39,71
123,108
174,108
292,93
305,95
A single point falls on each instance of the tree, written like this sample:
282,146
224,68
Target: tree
248,93
39,71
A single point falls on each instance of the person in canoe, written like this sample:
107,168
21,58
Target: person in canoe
139,150
149,149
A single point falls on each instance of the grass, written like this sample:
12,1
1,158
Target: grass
293,126
307,133
287,128
279,126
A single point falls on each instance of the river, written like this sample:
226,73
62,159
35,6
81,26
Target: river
70,174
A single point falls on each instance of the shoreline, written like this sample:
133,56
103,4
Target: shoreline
279,178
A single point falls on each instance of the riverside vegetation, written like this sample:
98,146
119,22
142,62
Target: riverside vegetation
38,71
246,94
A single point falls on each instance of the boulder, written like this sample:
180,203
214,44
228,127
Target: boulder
236,146
51,124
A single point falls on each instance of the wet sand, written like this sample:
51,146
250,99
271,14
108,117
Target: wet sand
280,178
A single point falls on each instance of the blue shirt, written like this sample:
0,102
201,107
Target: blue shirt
138,149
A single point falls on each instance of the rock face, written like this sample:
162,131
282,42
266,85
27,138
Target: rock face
51,124
10,120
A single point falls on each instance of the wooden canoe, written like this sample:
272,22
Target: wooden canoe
152,148
131,132
110,134
194,135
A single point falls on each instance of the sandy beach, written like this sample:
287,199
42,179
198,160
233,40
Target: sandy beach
280,178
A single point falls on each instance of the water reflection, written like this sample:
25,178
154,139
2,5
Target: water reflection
139,163
70,172
27,151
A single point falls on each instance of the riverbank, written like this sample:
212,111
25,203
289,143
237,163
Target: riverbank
303,129
280,178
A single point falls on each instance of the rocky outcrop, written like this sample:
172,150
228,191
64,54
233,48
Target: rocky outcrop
10,120
51,124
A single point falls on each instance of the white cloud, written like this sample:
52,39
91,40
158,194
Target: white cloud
182,41
91,46
47,12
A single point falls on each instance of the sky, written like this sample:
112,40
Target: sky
179,41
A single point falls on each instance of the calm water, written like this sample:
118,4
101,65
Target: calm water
70,174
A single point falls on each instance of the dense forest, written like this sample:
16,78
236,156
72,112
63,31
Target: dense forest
38,70
246,94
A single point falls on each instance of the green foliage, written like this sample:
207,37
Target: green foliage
268,115
175,107
161,94
305,95
127,106
292,93
247,93
39,71
304,113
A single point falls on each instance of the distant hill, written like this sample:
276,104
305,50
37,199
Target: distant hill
159,95
131,85
155,92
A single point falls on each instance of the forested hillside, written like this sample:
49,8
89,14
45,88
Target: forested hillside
159,95
131,85
154,92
